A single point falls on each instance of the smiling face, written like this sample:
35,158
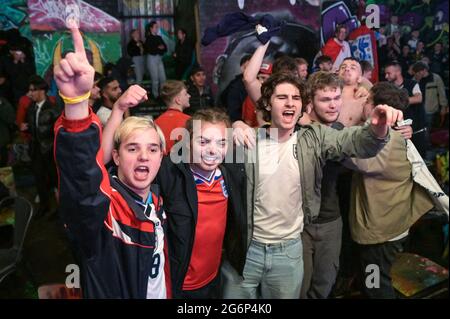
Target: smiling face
285,106
209,145
327,103
138,160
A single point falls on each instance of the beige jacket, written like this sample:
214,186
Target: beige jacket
385,201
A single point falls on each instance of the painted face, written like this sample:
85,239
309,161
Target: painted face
327,104
138,160
112,91
391,73
285,106
199,79
209,146
183,98
302,71
350,72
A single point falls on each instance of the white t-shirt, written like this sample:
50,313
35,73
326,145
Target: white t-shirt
103,114
278,212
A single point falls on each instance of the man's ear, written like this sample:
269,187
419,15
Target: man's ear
115,156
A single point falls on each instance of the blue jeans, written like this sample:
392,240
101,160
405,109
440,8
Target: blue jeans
157,73
139,68
272,271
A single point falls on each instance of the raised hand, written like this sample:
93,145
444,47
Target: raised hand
131,97
74,75
382,117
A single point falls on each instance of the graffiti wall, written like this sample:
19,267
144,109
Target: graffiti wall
299,37
13,15
51,40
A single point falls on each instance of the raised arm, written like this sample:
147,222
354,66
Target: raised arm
252,84
132,97
74,77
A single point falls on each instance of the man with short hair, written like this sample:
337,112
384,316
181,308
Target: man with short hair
433,88
337,47
302,68
200,92
41,117
352,112
116,220
110,92
175,96
235,93
415,110
324,63
386,201
291,160
322,238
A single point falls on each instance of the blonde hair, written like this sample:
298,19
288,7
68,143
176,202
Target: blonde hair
133,123
170,89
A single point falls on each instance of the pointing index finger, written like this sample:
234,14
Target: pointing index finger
77,41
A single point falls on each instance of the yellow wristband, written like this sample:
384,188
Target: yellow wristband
75,100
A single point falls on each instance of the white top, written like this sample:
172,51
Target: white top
103,114
278,213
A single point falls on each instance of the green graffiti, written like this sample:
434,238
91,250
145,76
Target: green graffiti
45,44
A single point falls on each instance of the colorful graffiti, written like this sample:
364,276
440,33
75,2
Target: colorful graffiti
101,33
336,12
13,15
430,17
221,58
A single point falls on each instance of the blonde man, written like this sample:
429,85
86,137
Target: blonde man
115,221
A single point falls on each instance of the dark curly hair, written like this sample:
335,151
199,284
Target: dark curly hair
268,88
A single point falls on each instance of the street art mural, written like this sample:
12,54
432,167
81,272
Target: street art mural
299,36
337,12
51,40
13,15
430,17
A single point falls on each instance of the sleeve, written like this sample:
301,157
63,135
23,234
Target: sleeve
356,141
234,99
84,188
441,90
7,115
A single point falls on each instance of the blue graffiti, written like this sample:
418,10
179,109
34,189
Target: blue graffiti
12,13
337,13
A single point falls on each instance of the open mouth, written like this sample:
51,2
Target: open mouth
210,159
289,115
141,172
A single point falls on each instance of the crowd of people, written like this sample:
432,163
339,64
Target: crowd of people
154,208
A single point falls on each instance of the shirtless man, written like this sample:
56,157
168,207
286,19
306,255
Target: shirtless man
352,111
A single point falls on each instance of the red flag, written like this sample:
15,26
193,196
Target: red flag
364,47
